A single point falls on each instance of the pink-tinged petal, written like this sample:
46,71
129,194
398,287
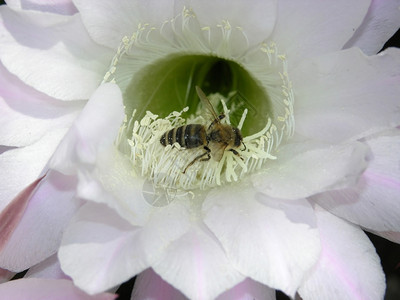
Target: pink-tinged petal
101,250
248,289
380,23
27,115
366,102
46,289
38,234
310,28
390,235
256,21
96,127
13,212
374,203
21,166
49,268
150,286
349,267
109,21
197,265
272,241
33,43
327,167
5,275
63,7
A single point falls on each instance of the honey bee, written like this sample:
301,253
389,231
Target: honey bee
215,139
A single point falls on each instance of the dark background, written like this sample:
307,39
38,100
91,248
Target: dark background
389,252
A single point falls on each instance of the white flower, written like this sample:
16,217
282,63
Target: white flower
320,132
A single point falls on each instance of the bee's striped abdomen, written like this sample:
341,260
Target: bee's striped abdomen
188,136
170,137
194,136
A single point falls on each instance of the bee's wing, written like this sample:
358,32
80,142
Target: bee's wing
217,150
207,103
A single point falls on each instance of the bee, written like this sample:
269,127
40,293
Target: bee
215,139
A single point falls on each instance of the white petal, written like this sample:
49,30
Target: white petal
248,289
380,23
349,267
272,241
150,286
100,249
27,115
374,203
38,235
52,53
346,94
19,167
45,289
197,265
109,21
256,20
304,169
112,182
96,127
105,175
312,27
64,7
49,268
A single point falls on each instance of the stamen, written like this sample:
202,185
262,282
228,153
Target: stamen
165,165
226,112
241,122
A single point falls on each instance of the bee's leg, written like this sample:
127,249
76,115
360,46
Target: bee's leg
198,157
244,147
236,153
208,154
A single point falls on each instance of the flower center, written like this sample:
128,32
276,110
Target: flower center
158,70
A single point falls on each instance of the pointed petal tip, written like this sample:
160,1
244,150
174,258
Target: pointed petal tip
13,212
